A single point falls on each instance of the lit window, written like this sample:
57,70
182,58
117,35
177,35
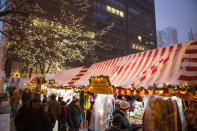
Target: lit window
133,46
108,8
139,38
140,48
137,47
113,11
121,13
117,12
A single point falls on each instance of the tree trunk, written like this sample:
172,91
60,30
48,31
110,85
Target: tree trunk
42,69
49,67
30,72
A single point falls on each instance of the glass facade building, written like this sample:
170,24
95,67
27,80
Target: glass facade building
134,27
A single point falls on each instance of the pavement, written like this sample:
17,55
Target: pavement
5,116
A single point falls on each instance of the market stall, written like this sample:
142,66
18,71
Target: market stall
169,71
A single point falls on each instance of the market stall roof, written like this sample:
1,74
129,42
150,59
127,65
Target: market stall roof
169,65
32,80
69,77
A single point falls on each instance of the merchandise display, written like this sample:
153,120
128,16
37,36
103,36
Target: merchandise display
136,116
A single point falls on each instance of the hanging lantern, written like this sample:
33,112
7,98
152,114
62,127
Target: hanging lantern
138,92
125,92
146,92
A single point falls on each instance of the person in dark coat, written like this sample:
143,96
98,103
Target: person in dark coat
120,121
54,106
62,119
45,99
26,96
29,117
74,115
48,118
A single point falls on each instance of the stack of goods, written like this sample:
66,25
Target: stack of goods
191,114
161,115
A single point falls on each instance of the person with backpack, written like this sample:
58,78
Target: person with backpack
62,119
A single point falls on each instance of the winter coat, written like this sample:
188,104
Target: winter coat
121,121
48,121
29,119
15,99
55,107
26,97
74,116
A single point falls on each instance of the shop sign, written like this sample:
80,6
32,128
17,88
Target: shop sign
100,85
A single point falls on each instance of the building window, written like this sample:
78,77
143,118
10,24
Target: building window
151,43
134,11
138,47
117,3
115,11
139,38
99,5
101,15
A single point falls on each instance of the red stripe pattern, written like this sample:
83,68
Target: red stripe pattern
69,77
169,65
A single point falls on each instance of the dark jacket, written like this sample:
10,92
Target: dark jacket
55,107
26,97
121,121
74,115
28,119
62,119
48,121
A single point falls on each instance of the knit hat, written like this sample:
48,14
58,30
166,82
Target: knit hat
124,105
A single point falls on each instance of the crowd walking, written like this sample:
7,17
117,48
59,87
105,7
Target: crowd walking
36,114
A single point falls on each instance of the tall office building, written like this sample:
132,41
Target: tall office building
167,36
134,27
192,35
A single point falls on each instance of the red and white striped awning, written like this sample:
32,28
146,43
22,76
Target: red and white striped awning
69,77
169,65
32,80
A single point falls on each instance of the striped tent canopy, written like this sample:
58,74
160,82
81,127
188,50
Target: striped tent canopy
176,64
32,80
69,77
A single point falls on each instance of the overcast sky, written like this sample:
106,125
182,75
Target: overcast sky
180,14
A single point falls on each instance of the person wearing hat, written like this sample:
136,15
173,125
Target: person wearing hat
29,117
120,120
74,115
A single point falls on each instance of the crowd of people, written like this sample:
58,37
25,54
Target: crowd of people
34,114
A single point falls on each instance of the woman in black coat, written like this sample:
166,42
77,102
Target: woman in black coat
48,118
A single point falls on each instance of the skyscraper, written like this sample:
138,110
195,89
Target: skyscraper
192,35
167,36
134,26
